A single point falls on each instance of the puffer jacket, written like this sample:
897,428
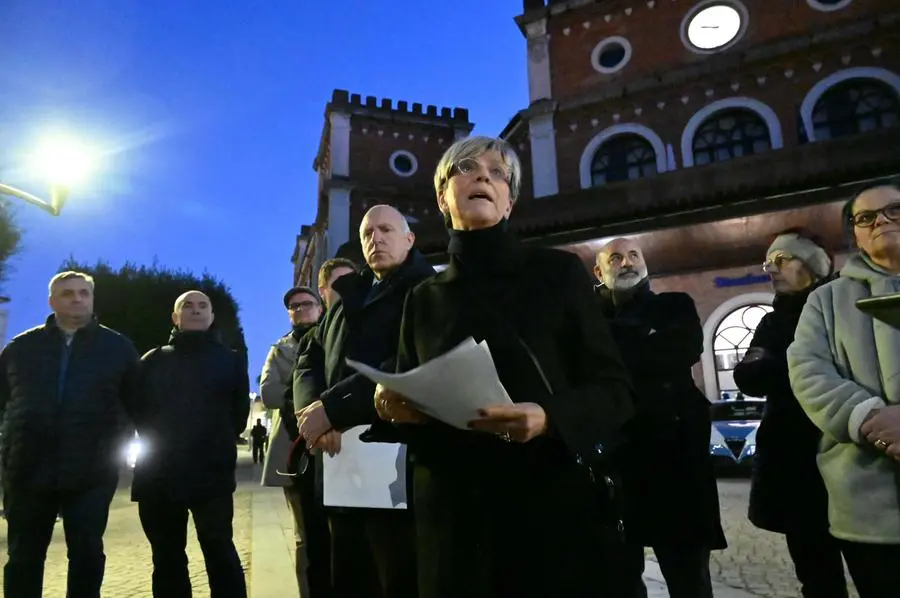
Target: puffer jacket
65,406
193,402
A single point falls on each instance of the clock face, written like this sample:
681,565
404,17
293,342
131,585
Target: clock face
714,26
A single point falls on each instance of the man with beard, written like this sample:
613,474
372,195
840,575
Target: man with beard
373,552
669,482
193,402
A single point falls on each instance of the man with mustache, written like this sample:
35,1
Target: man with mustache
670,486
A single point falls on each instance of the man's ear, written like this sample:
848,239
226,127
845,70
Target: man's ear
598,273
175,319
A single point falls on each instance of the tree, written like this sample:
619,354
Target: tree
138,300
10,238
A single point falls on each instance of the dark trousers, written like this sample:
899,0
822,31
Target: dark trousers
31,516
373,554
873,568
316,537
818,564
165,525
685,569
259,452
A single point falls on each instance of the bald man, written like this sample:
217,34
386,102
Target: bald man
672,496
193,402
372,550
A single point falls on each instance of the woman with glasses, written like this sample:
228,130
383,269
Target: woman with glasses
845,372
507,508
787,495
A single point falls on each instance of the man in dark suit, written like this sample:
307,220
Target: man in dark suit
670,485
373,551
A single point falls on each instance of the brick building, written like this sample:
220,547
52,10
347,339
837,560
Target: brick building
698,127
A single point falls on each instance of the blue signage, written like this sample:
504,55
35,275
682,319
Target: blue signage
742,281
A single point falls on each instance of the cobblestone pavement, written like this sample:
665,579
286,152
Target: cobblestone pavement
755,560
128,562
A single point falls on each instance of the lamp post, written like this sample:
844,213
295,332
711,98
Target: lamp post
63,163
58,197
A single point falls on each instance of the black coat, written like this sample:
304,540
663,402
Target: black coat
65,434
363,325
287,410
787,493
193,403
669,477
507,519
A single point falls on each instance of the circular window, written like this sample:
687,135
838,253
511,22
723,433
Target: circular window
403,163
828,5
611,55
714,25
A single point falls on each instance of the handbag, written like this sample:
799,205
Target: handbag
601,472
615,579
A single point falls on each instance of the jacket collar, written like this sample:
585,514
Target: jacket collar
353,289
194,338
88,328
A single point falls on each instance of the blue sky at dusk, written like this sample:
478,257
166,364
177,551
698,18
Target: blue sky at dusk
210,113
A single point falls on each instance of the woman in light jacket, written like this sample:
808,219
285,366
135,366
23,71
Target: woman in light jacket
845,371
506,510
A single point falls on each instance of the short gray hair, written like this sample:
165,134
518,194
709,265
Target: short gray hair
70,275
472,147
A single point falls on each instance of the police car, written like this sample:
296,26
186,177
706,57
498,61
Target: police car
732,440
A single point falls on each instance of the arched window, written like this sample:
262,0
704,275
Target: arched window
855,106
732,340
731,133
623,158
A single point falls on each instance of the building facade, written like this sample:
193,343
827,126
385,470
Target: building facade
698,127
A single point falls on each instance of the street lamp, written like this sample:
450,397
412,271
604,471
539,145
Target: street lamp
54,206
62,162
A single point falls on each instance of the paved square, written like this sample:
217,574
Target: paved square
755,562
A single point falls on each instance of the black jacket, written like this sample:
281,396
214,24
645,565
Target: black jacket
363,325
787,492
304,336
65,407
193,402
484,504
669,476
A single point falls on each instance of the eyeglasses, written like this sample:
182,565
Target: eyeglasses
302,305
497,173
776,263
867,218
303,461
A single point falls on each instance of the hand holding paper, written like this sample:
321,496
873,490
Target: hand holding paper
451,388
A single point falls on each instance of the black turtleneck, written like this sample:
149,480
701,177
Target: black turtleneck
484,250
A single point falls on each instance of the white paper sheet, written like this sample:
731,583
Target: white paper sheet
450,388
368,475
